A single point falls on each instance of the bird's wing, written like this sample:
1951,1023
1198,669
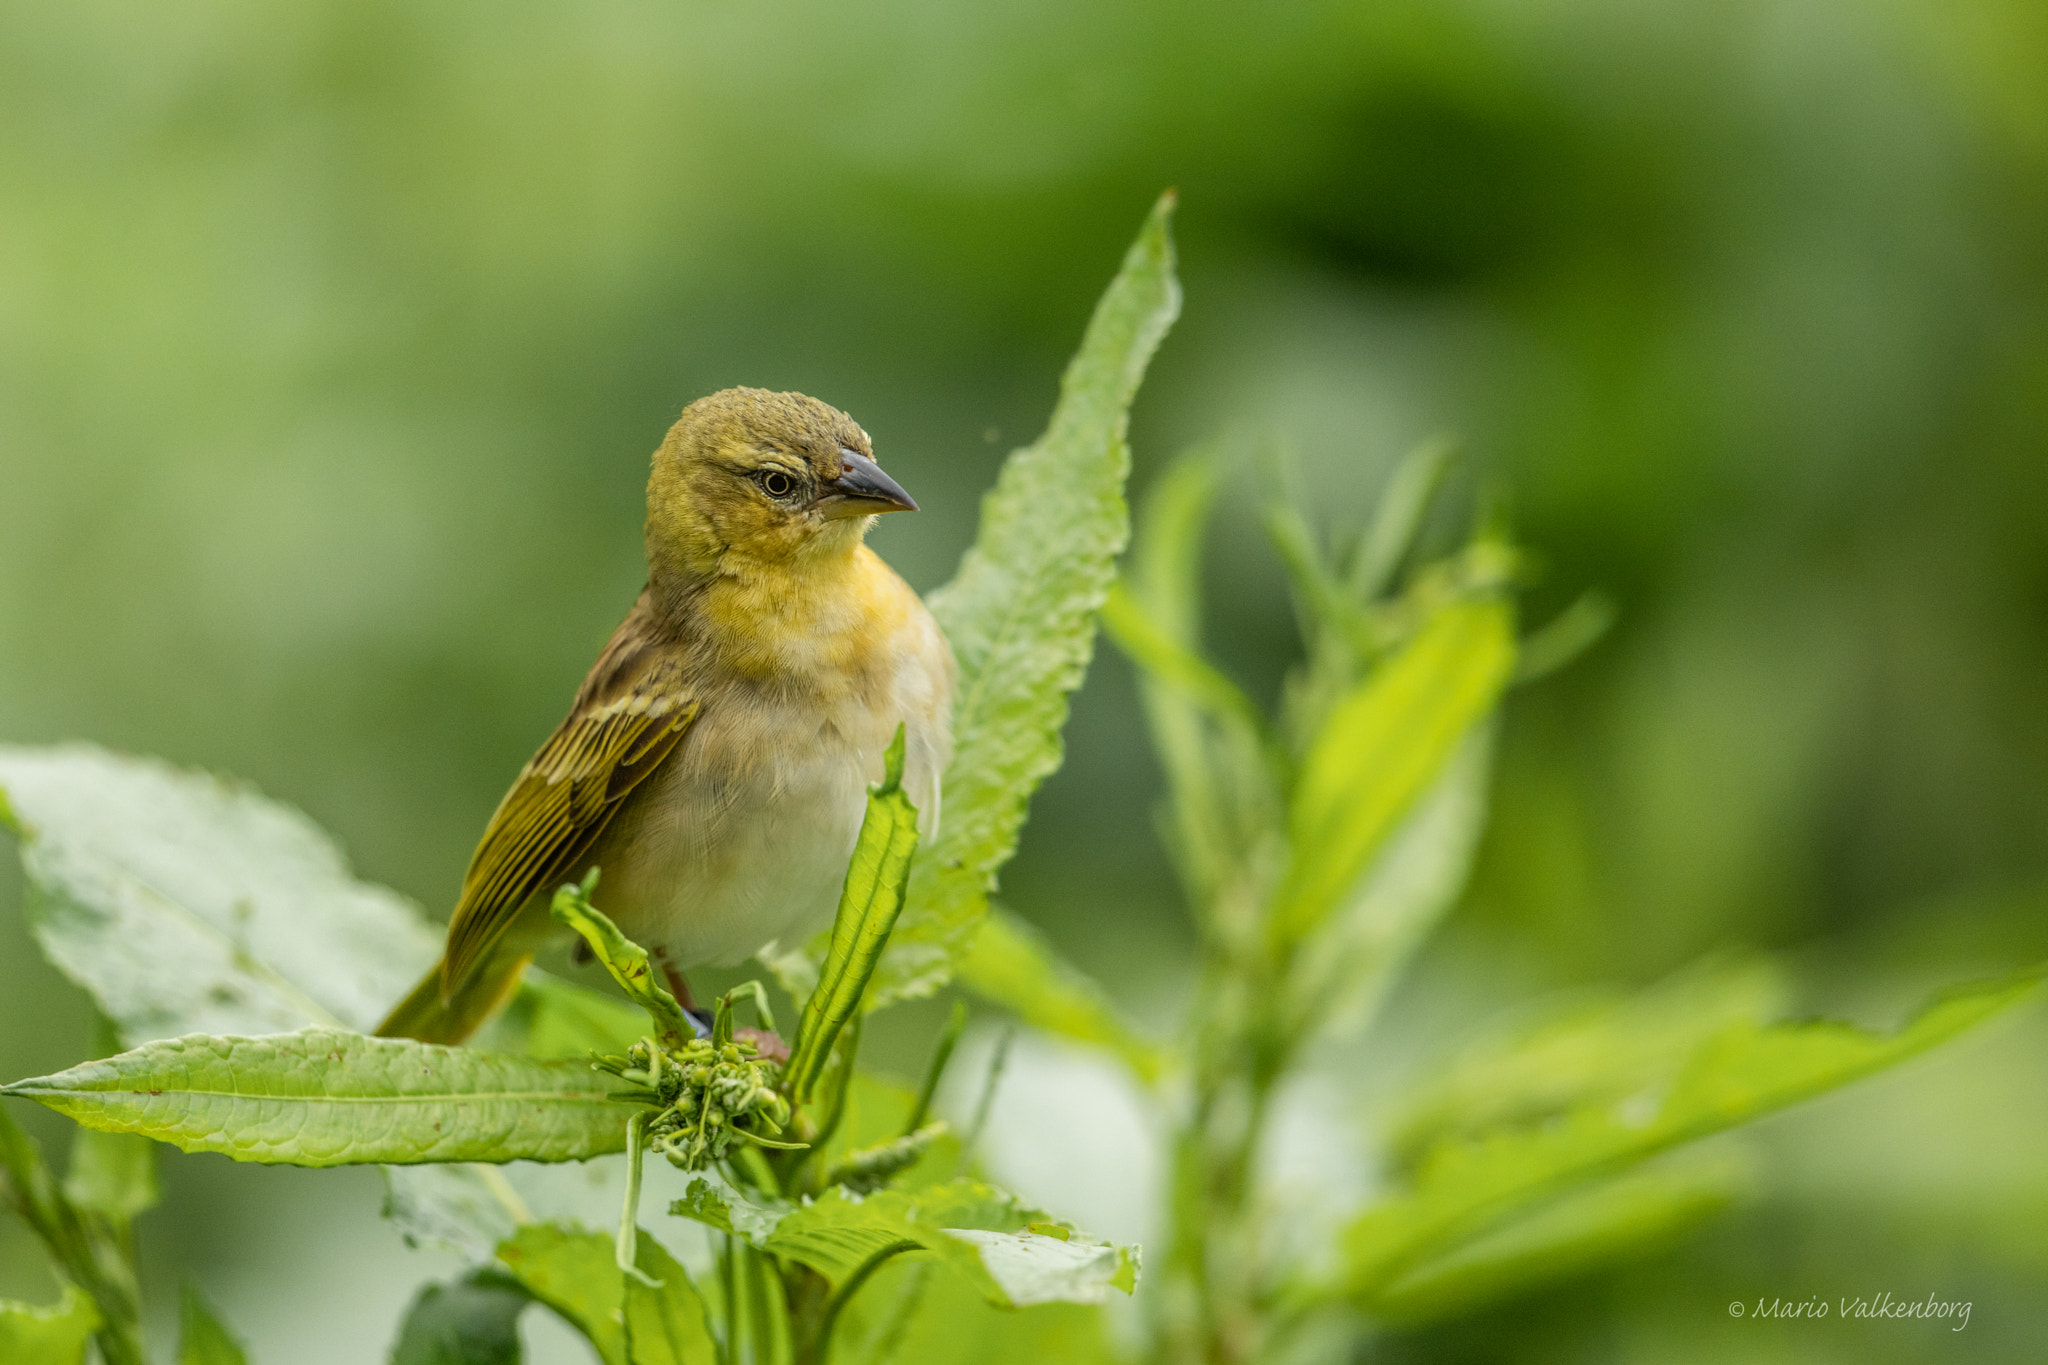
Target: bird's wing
629,716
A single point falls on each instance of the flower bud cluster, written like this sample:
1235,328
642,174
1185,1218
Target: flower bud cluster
709,1095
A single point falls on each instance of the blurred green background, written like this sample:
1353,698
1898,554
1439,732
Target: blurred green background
334,338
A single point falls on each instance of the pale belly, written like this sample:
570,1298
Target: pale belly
742,837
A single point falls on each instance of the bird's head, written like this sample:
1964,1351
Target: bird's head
748,478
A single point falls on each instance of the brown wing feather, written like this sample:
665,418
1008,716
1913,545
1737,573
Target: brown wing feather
629,715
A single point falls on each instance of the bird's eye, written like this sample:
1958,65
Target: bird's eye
778,484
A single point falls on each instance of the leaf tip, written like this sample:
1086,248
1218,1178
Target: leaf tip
892,765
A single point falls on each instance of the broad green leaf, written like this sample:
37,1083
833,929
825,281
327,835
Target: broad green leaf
1382,747
56,1335
1010,963
1626,1216
327,1098
470,1321
184,903
666,1325
869,903
1015,1255
1465,1188
202,1340
1594,1051
1020,614
1336,985
573,1272
84,1246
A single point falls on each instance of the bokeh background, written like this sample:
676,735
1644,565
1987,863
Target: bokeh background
334,338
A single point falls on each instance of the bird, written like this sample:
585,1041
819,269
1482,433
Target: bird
714,764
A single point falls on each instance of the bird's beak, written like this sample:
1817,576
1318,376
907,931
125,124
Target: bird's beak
862,489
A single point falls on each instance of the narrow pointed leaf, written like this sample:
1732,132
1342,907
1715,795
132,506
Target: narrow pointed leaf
1611,1220
1467,1187
626,960
1020,613
326,1098
869,903
1337,986
1592,1051
1382,747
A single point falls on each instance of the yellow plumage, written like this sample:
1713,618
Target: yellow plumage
715,761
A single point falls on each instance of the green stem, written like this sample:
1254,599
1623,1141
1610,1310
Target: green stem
941,1055
628,1248
83,1244
821,1343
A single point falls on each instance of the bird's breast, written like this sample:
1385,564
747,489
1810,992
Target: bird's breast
742,836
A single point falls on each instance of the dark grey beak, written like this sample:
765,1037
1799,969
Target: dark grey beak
862,489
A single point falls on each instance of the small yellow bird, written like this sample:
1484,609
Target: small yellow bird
716,760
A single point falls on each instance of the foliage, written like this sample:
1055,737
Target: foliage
1318,843
1020,615
323,1097
206,912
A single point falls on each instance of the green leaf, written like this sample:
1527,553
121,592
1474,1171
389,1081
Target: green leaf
327,1098
202,1340
1335,986
1010,963
573,1273
113,1174
1613,1219
921,1315
1467,1187
56,1335
1587,1052
1382,747
869,903
184,903
471,1321
974,1229
84,1246
738,1213
1219,771
626,960
1396,517
666,1325
1021,614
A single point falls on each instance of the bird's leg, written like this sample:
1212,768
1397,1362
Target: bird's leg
700,1019
677,986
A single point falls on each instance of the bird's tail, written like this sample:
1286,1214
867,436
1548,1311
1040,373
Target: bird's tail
432,1017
